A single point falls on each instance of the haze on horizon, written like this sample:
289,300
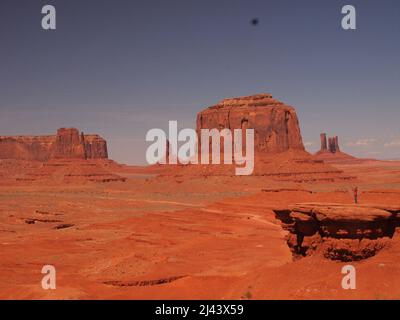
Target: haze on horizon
119,68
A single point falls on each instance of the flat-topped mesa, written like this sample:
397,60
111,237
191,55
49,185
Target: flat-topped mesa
68,143
276,126
26,147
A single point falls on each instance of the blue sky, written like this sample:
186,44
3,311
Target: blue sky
120,68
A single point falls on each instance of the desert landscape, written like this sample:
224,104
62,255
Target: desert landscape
114,231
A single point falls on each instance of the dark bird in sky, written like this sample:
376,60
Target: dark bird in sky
255,22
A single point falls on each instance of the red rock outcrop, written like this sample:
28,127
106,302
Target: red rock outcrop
324,146
330,150
278,148
276,126
26,147
67,144
332,146
339,231
333,143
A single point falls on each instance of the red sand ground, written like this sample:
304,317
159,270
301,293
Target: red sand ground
171,237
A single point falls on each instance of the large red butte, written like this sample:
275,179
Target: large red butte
276,126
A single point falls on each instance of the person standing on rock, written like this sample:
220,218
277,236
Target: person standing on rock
355,193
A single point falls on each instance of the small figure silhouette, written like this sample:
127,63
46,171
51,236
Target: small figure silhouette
355,193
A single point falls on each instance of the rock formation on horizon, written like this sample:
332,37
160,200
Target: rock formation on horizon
68,143
330,150
276,126
324,146
332,146
278,146
333,143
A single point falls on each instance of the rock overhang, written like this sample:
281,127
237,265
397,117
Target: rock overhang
346,232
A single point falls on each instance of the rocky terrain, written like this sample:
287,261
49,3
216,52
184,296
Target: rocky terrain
339,231
114,231
68,157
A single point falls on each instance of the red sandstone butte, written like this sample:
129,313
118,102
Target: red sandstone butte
66,144
276,126
278,146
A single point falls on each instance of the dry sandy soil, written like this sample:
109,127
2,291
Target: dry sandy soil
168,237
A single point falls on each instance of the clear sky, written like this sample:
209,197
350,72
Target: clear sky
122,67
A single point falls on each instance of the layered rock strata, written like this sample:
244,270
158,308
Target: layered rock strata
278,147
339,231
276,126
66,144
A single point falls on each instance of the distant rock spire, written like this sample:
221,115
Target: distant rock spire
330,144
324,145
336,141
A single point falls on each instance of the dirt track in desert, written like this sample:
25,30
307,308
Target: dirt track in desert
159,236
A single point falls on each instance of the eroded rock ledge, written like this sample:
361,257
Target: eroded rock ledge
342,232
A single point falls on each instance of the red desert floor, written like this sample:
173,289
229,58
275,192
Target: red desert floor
170,237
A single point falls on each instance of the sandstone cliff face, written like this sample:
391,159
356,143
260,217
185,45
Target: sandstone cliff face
276,126
69,144
26,148
278,147
339,231
95,147
66,144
